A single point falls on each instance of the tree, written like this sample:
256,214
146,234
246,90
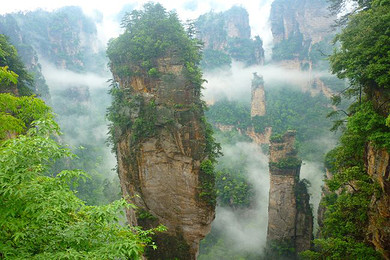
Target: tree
9,60
365,49
42,218
363,58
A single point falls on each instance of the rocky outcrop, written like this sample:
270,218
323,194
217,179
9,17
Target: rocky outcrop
162,163
301,28
229,32
9,27
378,168
321,207
259,138
290,220
214,29
307,17
258,96
65,37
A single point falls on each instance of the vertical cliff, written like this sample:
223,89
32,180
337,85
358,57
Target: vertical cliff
227,35
9,27
307,17
163,145
65,37
300,28
290,220
257,96
378,168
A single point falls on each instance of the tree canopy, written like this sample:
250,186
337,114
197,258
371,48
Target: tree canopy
363,58
365,48
150,34
42,218
12,68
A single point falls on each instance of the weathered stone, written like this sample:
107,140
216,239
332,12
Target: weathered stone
290,220
259,138
258,96
309,17
378,231
160,172
218,31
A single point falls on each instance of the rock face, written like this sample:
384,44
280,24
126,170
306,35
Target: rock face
9,27
216,28
290,220
259,138
258,96
307,17
65,37
229,32
162,161
378,167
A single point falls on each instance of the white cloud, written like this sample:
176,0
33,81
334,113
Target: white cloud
247,228
258,11
61,78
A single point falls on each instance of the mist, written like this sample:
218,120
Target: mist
80,101
245,230
235,83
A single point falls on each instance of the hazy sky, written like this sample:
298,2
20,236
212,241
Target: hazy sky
190,9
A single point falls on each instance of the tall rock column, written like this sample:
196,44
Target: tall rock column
163,144
258,96
290,220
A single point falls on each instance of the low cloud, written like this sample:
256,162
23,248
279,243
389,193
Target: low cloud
58,79
246,229
235,83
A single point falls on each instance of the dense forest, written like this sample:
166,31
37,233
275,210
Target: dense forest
171,150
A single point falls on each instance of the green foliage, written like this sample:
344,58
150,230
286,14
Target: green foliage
143,214
67,25
17,113
277,138
227,112
244,50
212,24
286,110
9,59
363,59
365,48
7,76
41,217
207,191
212,148
213,59
150,34
337,248
280,249
128,111
290,48
287,163
233,189
347,210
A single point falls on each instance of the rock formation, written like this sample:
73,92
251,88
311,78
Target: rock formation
163,145
290,220
161,173
378,168
229,32
307,17
259,138
65,37
258,96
